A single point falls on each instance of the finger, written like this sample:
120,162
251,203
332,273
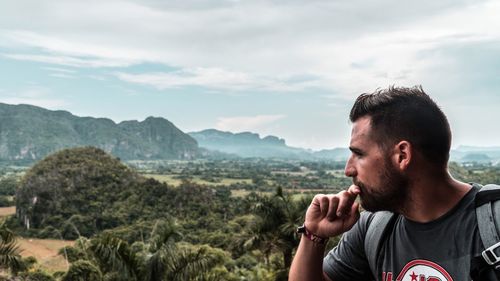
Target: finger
314,210
332,208
316,201
324,202
354,190
345,203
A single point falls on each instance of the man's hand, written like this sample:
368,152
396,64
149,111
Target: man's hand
333,214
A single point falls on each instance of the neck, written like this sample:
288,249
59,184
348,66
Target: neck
432,195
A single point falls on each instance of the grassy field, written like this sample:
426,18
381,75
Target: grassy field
298,193
7,211
168,179
45,251
171,180
337,173
244,192
296,174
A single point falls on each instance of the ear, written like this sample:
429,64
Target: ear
402,155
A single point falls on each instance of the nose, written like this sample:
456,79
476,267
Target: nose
349,170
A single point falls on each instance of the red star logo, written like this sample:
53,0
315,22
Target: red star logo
413,276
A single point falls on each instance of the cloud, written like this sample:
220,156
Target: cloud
61,72
336,49
67,61
348,46
215,78
246,123
45,103
35,95
57,69
62,75
208,77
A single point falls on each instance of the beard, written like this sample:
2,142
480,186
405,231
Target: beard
391,195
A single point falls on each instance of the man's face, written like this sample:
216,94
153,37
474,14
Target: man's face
383,186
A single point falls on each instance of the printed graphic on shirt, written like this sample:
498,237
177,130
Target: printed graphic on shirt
420,270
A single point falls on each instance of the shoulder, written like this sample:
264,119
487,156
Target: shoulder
370,223
374,224
366,218
347,260
365,232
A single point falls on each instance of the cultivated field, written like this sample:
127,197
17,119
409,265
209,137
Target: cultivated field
7,211
45,251
171,180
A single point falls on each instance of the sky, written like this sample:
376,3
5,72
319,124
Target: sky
286,68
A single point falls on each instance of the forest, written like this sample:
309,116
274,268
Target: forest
231,219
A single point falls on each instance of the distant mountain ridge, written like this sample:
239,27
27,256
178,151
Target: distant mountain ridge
247,144
336,154
477,154
30,133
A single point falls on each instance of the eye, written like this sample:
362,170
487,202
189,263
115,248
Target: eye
356,152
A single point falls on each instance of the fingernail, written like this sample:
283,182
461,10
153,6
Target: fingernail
339,214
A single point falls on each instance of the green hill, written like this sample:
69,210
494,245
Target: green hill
81,185
28,133
82,191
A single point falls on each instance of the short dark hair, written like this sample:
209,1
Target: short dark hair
400,113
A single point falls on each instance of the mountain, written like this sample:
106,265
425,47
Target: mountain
476,157
468,148
247,144
336,154
476,154
463,154
28,133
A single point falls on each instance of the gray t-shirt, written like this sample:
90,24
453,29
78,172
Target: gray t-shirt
438,250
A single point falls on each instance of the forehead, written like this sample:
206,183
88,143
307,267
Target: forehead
361,134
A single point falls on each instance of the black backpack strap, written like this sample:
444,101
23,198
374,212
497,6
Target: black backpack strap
487,194
486,209
488,221
376,230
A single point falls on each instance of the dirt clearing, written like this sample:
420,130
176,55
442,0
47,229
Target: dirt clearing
45,251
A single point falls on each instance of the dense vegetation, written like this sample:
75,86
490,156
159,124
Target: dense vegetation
191,224
85,193
255,173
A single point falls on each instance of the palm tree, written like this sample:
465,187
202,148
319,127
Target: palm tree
9,250
112,254
82,270
183,264
274,229
160,259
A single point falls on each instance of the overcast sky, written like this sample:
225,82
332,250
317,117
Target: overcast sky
286,68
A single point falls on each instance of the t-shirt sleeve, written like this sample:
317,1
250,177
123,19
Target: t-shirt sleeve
347,261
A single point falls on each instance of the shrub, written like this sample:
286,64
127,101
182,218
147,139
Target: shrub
82,270
37,275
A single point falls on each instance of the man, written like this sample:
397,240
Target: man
400,143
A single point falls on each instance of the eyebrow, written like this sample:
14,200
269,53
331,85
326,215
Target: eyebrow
355,150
